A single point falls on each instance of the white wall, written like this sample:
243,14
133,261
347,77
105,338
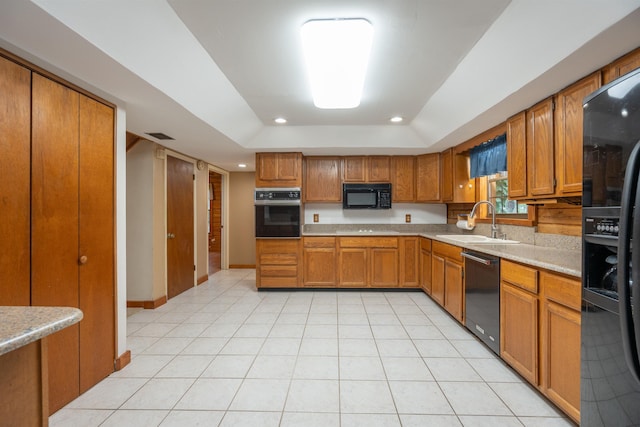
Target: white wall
332,213
121,231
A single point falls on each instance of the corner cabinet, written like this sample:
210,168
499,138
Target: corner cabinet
322,180
425,265
447,278
278,169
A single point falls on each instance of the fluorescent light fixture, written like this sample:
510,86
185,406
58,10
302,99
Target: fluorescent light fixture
395,119
337,53
280,120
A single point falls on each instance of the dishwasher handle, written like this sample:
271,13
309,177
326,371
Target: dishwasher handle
477,258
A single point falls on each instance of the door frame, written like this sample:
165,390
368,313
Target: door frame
224,245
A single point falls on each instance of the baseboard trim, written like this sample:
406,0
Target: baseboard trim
242,266
123,360
202,279
148,305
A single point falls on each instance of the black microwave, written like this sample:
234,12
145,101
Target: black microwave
366,196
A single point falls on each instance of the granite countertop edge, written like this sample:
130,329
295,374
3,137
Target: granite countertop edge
562,261
22,325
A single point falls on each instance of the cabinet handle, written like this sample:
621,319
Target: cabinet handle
83,260
171,236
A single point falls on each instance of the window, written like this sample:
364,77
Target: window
497,192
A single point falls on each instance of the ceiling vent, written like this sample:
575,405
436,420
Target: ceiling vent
159,135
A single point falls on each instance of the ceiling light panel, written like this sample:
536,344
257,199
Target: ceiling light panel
337,53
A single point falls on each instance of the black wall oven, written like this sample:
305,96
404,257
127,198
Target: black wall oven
278,212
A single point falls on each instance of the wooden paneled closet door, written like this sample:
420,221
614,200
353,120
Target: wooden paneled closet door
15,199
96,242
54,225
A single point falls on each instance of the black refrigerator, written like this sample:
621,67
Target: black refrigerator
610,358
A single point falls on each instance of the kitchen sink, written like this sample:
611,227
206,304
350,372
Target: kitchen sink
475,239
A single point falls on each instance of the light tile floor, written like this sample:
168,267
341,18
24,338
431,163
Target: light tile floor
224,354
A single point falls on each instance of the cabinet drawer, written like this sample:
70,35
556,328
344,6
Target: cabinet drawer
425,244
278,282
319,242
449,251
279,259
278,271
519,275
368,242
562,290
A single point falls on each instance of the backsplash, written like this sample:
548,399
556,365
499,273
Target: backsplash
332,213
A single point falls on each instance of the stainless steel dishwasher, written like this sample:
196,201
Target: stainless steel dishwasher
482,297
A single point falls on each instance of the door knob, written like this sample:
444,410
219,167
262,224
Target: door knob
171,236
82,260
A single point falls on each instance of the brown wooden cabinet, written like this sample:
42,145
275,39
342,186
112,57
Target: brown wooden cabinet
278,263
517,155
568,135
447,274
540,150
278,170
425,265
319,258
446,175
409,261
368,262
322,179
58,220
456,185
403,179
354,169
366,169
428,178
621,66
379,169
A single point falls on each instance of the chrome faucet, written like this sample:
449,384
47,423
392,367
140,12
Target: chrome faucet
494,227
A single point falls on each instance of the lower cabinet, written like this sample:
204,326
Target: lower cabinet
319,262
425,265
540,331
409,262
447,274
368,262
278,263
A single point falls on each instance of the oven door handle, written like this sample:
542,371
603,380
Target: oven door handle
477,258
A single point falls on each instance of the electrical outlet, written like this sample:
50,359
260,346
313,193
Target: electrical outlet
316,217
407,218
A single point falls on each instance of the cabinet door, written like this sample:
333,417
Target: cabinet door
15,190
622,66
54,225
568,133
266,167
379,169
352,267
97,230
354,169
517,155
278,169
425,265
540,149
446,170
319,267
437,278
519,330
428,178
403,179
454,289
290,168
560,336
322,181
464,188
409,262
384,267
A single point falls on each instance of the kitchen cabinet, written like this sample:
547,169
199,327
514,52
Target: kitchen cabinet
621,66
446,179
428,178
517,155
560,341
319,261
519,318
368,262
409,261
457,186
425,265
366,169
540,150
403,179
322,179
278,263
278,169
568,135
447,274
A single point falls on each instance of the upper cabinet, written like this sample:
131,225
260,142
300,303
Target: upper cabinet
367,169
428,178
621,66
322,179
278,169
517,155
540,153
403,179
568,135
456,186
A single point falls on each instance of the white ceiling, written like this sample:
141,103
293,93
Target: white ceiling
214,74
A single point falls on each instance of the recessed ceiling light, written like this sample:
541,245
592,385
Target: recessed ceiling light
242,165
280,120
395,119
337,53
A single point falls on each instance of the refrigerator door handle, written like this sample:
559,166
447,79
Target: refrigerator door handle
630,194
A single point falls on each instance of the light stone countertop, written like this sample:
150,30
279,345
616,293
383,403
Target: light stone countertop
565,261
21,325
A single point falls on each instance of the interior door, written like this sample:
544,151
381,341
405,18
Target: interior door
180,223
